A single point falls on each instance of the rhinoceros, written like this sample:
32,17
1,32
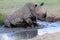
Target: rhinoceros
19,14
26,16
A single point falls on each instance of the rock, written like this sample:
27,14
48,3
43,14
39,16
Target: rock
53,14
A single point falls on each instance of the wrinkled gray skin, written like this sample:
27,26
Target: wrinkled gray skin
17,16
29,9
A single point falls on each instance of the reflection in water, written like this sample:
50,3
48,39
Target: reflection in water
18,33
45,27
26,34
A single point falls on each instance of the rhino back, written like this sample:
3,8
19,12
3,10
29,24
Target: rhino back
17,16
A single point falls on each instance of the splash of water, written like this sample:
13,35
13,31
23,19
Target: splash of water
49,24
5,36
50,27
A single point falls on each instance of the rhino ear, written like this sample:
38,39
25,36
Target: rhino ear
42,4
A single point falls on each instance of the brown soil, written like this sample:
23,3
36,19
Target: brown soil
48,36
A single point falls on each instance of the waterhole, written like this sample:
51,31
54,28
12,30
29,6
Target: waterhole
19,33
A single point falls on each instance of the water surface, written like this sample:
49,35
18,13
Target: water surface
45,27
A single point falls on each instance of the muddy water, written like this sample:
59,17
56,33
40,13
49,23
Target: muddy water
19,33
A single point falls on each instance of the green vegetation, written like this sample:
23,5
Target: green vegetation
2,17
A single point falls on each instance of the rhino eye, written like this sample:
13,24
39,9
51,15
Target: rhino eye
35,5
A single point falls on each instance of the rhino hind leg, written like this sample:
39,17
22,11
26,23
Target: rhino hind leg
7,24
23,24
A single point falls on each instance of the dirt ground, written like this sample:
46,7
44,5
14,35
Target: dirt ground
48,36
